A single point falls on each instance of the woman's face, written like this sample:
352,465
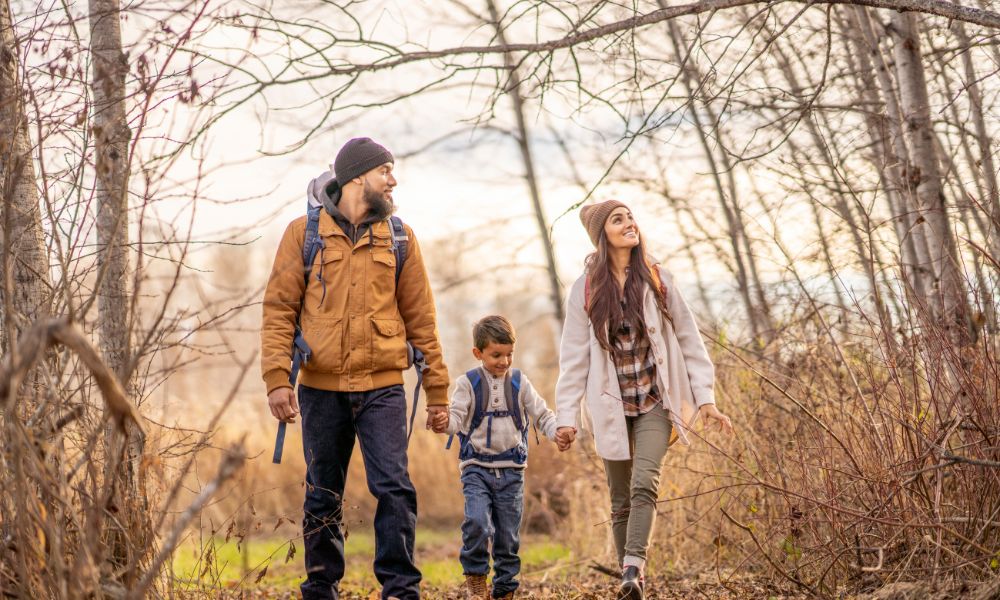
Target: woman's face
621,230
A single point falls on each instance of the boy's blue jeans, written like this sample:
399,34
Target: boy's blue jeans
494,501
330,422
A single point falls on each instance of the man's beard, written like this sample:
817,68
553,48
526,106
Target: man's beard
379,209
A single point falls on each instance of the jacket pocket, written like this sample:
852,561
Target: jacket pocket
324,274
382,275
385,257
325,338
388,345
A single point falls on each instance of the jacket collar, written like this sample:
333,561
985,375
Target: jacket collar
377,231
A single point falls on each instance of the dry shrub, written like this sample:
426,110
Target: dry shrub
858,461
64,419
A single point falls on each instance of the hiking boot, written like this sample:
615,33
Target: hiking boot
476,588
632,584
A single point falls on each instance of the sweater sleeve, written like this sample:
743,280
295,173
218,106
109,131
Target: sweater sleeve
416,306
700,370
574,359
282,300
540,414
460,409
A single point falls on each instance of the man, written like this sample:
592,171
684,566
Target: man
356,318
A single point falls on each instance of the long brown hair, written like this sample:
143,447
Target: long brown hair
604,305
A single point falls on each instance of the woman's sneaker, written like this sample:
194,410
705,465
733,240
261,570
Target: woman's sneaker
632,584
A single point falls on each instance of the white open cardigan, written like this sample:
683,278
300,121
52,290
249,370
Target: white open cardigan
685,371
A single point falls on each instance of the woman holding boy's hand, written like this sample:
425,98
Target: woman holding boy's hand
631,347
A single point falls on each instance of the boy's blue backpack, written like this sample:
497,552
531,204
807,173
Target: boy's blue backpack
480,388
311,246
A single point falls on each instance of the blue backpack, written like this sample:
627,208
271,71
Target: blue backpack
301,353
480,388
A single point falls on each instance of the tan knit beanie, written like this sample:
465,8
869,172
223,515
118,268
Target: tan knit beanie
594,216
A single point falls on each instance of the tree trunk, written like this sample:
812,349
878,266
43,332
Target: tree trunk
987,167
25,293
129,532
889,152
950,304
746,274
513,90
840,193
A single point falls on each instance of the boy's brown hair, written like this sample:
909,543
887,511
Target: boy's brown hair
494,328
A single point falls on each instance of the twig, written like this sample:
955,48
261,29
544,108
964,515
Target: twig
231,463
767,556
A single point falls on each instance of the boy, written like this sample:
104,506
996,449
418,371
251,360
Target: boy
491,411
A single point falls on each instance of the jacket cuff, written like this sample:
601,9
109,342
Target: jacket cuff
703,397
564,421
437,396
275,379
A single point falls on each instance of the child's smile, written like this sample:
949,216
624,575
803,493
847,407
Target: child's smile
496,358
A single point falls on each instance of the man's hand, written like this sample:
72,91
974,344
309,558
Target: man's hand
437,418
713,413
565,437
283,404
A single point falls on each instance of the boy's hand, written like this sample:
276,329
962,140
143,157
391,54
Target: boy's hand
434,416
565,437
440,424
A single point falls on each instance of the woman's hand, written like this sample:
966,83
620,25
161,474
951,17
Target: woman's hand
711,412
565,437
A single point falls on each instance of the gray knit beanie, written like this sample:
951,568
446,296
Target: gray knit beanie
357,157
594,216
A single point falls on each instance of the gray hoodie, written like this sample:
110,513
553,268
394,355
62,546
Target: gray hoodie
324,191
505,434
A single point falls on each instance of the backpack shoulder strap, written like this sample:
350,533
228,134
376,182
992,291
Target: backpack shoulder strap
312,243
400,243
479,397
512,390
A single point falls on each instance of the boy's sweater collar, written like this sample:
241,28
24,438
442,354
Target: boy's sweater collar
491,377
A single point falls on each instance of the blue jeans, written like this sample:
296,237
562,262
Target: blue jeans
494,500
330,422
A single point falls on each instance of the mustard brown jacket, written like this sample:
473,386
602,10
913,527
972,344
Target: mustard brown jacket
354,316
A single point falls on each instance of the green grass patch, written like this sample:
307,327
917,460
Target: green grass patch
221,564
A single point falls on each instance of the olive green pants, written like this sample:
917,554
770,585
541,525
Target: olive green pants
634,485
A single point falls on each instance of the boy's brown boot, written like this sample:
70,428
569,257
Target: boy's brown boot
476,588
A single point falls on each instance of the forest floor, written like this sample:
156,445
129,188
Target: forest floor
266,568
272,568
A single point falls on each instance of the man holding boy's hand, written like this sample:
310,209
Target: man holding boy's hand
357,307
438,422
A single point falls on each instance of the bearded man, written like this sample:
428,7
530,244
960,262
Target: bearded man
357,313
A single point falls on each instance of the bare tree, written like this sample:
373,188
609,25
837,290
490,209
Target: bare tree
112,136
25,293
947,281
523,138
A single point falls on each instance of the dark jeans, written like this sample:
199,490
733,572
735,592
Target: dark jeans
494,500
330,421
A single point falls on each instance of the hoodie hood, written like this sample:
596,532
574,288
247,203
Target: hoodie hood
323,190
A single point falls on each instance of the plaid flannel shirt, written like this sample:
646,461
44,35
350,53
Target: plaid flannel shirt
636,369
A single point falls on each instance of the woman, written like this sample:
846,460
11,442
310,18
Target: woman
630,345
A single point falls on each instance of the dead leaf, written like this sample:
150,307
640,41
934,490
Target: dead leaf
261,575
